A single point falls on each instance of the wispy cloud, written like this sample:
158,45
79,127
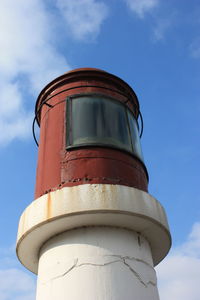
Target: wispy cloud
141,7
194,48
179,273
161,27
26,52
83,17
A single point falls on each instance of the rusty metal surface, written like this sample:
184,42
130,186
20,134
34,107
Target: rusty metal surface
87,77
101,165
58,167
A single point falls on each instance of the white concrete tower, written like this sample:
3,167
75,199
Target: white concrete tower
93,231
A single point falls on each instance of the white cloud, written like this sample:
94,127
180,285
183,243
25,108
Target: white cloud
178,275
25,42
14,121
16,284
141,7
27,52
83,17
29,59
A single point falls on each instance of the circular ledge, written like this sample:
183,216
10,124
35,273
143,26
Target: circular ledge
91,205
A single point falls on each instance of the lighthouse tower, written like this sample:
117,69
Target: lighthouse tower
93,231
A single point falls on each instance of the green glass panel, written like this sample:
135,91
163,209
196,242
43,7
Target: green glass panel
135,136
97,120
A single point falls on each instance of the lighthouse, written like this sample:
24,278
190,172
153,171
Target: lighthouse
93,230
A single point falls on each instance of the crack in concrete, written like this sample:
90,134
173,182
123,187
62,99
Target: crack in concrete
121,259
151,282
75,265
132,258
99,265
135,273
66,272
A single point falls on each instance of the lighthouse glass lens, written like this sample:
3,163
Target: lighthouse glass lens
99,121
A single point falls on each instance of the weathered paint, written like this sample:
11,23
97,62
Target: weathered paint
96,263
91,205
91,80
49,206
58,167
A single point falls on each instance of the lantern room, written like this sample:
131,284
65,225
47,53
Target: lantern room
89,132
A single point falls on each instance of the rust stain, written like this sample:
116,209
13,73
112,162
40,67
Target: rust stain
49,206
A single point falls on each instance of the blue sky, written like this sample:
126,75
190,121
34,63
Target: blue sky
154,45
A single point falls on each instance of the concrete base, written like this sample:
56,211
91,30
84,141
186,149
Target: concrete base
100,263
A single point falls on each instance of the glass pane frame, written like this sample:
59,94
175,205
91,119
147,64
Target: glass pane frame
133,147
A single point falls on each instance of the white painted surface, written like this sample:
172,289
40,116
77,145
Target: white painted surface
96,263
91,205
